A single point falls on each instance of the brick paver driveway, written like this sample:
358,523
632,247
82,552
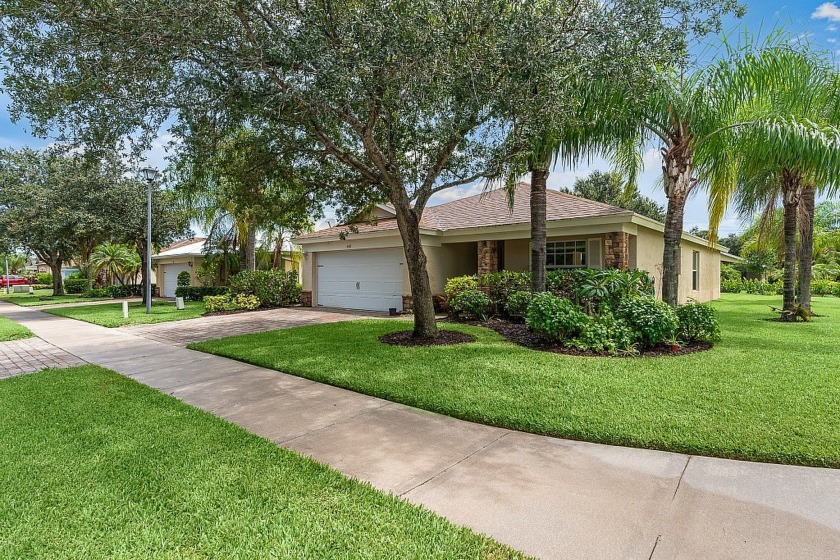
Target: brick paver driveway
33,354
200,329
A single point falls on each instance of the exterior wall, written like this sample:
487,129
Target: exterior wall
649,246
517,252
157,269
617,250
447,261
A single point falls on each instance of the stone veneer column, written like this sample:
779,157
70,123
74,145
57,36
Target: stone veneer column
617,250
488,257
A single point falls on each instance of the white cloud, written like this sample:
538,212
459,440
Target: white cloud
831,40
829,11
831,28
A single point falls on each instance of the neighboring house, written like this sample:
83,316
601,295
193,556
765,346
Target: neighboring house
729,258
37,266
363,266
182,256
188,255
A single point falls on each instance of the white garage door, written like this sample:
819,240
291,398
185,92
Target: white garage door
366,279
170,277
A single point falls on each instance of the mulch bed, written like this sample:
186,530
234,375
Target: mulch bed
444,338
518,333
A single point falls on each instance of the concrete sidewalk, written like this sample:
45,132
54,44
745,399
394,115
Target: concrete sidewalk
548,497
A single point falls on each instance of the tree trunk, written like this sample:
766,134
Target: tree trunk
806,244
425,325
58,284
676,174
251,249
791,191
539,178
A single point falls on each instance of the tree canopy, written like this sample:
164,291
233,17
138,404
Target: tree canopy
610,188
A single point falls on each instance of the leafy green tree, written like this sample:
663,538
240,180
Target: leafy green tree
610,188
382,100
115,260
48,204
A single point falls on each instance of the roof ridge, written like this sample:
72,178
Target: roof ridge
588,200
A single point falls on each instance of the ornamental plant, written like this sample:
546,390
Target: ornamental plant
697,322
652,321
471,304
554,317
273,288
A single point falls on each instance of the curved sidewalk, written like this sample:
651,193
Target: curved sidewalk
548,497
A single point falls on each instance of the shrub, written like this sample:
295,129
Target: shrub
605,332
44,278
761,288
597,290
228,302
731,286
42,286
458,284
273,288
184,278
472,304
823,287
555,317
517,303
836,289
729,273
127,290
199,293
97,293
652,321
76,285
501,284
697,321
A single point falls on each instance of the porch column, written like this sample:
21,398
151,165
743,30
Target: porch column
617,250
488,257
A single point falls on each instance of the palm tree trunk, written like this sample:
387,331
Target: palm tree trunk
425,324
251,249
806,244
539,179
676,173
791,191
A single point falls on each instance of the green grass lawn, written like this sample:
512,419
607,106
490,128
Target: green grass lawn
44,297
95,465
9,330
769,392
111,315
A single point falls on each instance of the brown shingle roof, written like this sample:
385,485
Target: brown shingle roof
489,209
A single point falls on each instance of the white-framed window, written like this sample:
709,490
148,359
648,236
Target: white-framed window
566,254
695,270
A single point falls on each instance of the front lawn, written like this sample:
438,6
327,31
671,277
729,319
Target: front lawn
44,297
9,330
768,392
111,315
95,465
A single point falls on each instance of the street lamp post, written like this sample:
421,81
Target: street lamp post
149,174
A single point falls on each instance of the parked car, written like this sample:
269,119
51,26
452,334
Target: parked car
13,280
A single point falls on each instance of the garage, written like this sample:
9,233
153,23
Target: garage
365,279
170,277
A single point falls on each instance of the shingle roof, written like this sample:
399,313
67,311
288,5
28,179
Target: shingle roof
488,209
193,246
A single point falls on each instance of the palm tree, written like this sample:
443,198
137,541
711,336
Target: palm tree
791,150
114,260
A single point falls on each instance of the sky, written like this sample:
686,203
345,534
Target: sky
817,21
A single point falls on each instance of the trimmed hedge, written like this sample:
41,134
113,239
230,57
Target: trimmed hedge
77,285
274,288
198,293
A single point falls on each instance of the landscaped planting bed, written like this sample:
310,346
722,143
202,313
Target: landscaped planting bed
95,465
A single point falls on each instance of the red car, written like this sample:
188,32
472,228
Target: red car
13,280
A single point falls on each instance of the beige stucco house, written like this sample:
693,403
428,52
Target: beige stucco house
363,267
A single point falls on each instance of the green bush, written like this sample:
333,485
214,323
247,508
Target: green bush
501,284
605,333
273,288
184,278
127,290
44,278
697,322
731,286
199,293
458,284
597,290
730,273
76,285
555,317
42,286
228,302
97,293
517,304
652,321
836,289
470,304
761,288
823,287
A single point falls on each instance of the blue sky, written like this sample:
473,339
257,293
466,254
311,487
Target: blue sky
818,21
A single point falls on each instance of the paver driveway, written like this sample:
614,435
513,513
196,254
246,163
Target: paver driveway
33,354
200,329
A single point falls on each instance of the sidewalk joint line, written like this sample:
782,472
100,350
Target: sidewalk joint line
367,411
682,474
655,543
455,464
